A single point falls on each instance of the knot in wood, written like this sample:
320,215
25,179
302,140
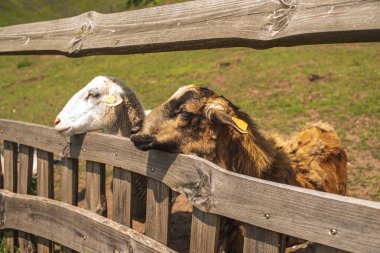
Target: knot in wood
280,17
82,35
199,192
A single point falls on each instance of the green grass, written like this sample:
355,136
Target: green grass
272,85
27,11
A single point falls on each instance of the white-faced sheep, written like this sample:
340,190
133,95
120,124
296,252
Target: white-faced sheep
106,104
195,120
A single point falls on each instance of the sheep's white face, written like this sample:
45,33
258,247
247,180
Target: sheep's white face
92,108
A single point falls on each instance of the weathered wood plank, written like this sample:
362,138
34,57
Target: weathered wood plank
10,184
24,182
199,25
89,233
204,232
69,181
157,211
25,169
45,188
69,186
10,166
261,240
319,248
122,196
96,188
45,174
228,194
139,196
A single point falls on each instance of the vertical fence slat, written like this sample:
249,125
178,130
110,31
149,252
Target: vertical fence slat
69,181
24,181
204,232
139,190
10,184
261,240
319,248
10,166
157,211
122,196
45,188
69,186
96,188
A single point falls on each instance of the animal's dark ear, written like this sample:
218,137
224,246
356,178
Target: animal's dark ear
218,115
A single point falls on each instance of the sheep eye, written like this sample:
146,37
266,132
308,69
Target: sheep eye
93,95
186,114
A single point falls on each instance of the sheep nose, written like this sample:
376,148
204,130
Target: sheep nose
56,121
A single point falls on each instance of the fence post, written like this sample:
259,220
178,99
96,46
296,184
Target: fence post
204,232
122,196
157,211
10,184
24,180
45,188
261,240
69,186
96,188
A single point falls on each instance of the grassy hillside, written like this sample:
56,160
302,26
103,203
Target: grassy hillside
281,88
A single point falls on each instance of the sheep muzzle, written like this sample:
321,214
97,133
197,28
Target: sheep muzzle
145,142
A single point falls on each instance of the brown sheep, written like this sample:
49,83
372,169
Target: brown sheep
195,120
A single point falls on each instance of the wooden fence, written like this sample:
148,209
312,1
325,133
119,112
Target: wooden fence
269,210
344,223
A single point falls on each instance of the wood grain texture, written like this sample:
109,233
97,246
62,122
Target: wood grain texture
24,182
69,186
45,174
294,211
204,232
261,240
157,211
54,220
326,249
96,188
10,184
25,169
199,25
139,191
10,166
45,188
122,196
69,181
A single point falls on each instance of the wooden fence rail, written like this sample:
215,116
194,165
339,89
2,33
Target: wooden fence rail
341,222
53,220
199,25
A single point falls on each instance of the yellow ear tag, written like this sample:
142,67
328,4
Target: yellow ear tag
241,124
110,99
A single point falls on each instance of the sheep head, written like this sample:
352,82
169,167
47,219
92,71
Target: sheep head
92,108
192,121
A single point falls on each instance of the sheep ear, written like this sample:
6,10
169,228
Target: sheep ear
218,116
112,99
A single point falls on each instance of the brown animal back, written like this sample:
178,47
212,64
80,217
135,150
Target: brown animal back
318,156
